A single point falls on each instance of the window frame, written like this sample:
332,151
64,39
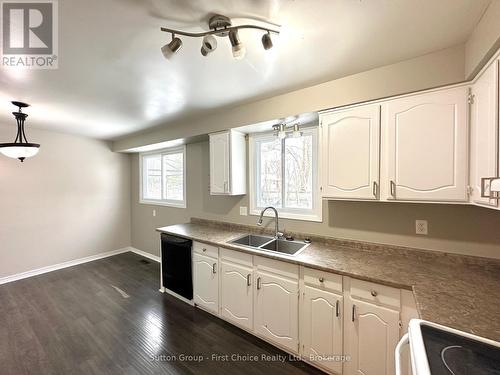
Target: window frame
316,213
163,202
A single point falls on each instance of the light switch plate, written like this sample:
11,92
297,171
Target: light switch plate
421,227
243,211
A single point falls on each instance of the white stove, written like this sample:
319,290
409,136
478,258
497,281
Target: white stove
436,350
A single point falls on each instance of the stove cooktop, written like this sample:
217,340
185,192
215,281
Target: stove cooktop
451,354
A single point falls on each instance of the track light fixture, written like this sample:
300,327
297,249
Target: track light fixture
282,130
237,47
208,45
220,26
171,48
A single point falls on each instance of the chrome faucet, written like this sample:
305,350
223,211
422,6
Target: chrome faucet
277,233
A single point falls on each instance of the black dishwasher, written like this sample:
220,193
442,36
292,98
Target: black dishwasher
176,265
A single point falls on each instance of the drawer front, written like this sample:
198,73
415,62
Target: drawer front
236,257
323,280
375,293
207,250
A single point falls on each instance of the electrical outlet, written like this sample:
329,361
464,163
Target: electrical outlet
421,227
243,211
154,212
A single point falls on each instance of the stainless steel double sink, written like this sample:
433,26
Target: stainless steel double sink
266,243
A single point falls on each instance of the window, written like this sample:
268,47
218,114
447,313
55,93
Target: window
284,174
163,176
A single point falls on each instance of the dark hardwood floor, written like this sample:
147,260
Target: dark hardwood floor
107,317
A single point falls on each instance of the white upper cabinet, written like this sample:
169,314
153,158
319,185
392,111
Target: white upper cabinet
350,142
426,146
228,163
484,133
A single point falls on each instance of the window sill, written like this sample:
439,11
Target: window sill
163,203
290,215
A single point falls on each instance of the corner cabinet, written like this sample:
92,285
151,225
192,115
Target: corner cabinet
350,142
484,102
426,148
228,163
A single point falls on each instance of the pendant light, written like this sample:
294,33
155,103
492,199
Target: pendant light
20,148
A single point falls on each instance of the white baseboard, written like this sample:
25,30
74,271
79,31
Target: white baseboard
145,254
70,263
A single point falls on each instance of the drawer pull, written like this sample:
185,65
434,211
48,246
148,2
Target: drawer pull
214,268
374,293
204,249
337,311
392,186
258,282
248,279
321,279
353,317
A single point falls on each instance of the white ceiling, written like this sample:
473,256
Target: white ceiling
112,79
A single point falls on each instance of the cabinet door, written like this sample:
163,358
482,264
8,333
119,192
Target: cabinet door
219,163
321,327
370,338
237,294
350,153
427,146
484,133
206,282
276,309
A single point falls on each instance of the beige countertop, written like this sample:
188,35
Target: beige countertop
456,291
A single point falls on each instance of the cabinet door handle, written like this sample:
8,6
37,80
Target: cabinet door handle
214,268
353,317
248,279
393,188
258,282
225,186
337,312
375,189
374,293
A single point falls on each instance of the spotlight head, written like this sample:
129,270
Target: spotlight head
171,48
237,47
208,45
267,42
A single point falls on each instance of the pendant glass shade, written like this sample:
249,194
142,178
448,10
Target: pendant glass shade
20,148
15,151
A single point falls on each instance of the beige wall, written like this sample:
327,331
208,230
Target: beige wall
436,69
70,201
484,41
452,228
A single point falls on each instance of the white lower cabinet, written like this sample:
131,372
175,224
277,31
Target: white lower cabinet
321,327
371,330
276,303
206,282
236,288
340,317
